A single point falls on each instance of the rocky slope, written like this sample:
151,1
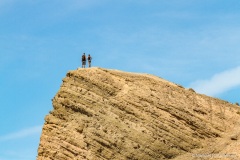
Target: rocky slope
114,115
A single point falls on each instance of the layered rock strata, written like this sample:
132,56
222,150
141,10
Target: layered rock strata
102,114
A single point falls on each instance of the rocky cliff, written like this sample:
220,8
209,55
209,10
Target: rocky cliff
102,114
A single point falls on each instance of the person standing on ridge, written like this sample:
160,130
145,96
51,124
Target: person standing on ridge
83,60
89,60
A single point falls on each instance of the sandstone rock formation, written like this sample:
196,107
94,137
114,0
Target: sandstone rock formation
102,114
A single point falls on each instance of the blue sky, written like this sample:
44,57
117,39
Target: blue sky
194,43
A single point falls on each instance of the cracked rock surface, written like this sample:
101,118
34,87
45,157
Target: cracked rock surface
102,114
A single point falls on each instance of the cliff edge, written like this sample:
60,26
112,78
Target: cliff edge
102,114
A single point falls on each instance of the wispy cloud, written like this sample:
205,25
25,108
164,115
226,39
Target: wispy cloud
21,153
21,134
218,83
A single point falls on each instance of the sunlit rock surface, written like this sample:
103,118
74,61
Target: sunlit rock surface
102,114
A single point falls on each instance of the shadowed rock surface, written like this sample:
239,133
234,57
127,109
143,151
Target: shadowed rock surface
102,114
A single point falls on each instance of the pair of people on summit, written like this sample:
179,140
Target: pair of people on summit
89,58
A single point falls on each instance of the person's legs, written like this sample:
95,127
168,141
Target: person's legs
84,64
89,64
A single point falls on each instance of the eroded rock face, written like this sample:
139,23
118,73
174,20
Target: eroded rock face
108,114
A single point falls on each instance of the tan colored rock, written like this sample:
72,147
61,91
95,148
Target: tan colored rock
104,114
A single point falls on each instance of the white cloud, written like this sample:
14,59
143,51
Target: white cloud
21,153
21,134
218,83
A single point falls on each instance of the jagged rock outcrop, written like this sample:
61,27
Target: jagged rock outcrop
114,115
